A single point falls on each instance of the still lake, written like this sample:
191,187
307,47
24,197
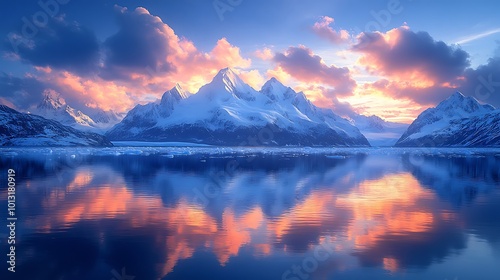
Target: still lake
250,213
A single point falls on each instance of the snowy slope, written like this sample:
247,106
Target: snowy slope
380,133
227,111
103,119
55,108
18,129
457,121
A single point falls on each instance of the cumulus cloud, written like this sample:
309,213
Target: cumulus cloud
143,59
60,44
326,97
264,54
80,92
253,78
483,83
142,43
412,65
402,54
302,64
146,51
323,29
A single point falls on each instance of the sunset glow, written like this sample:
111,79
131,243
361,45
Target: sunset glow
394,72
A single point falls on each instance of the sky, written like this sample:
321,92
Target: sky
391,58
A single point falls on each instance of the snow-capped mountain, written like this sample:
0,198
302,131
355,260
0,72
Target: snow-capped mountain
103,118
227,111
380,133
19,129
457,121
55,108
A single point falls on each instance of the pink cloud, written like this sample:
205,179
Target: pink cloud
404,55
253,78
323,29
302,64
142,60
4,101
91,92
264,54
145,47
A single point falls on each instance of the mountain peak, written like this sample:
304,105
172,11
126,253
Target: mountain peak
176,92
228,76
275,90
273,82
52,103
456,96
177,87
55,108
169,100
227,83
226,70
458,104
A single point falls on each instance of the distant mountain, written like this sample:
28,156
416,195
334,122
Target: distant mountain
227,111
380,133
104,119
55,108
19,129
95,120
458,121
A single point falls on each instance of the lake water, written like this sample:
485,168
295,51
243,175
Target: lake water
236,213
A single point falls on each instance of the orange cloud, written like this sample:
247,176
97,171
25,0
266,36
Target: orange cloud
369,100
393,211
253,78
364,216
93,92
264,54
138,72
280,74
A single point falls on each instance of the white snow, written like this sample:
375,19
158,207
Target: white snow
453,115
227,102
55,108
155,144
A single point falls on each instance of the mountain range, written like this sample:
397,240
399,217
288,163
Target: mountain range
93,120
227,111
20,129
380,133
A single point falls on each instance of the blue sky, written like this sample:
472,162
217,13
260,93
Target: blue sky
247,27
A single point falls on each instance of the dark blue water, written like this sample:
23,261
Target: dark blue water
207,213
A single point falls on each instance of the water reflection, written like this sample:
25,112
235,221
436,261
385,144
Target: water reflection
254,216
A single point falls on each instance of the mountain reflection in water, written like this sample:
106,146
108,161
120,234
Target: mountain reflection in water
257,215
